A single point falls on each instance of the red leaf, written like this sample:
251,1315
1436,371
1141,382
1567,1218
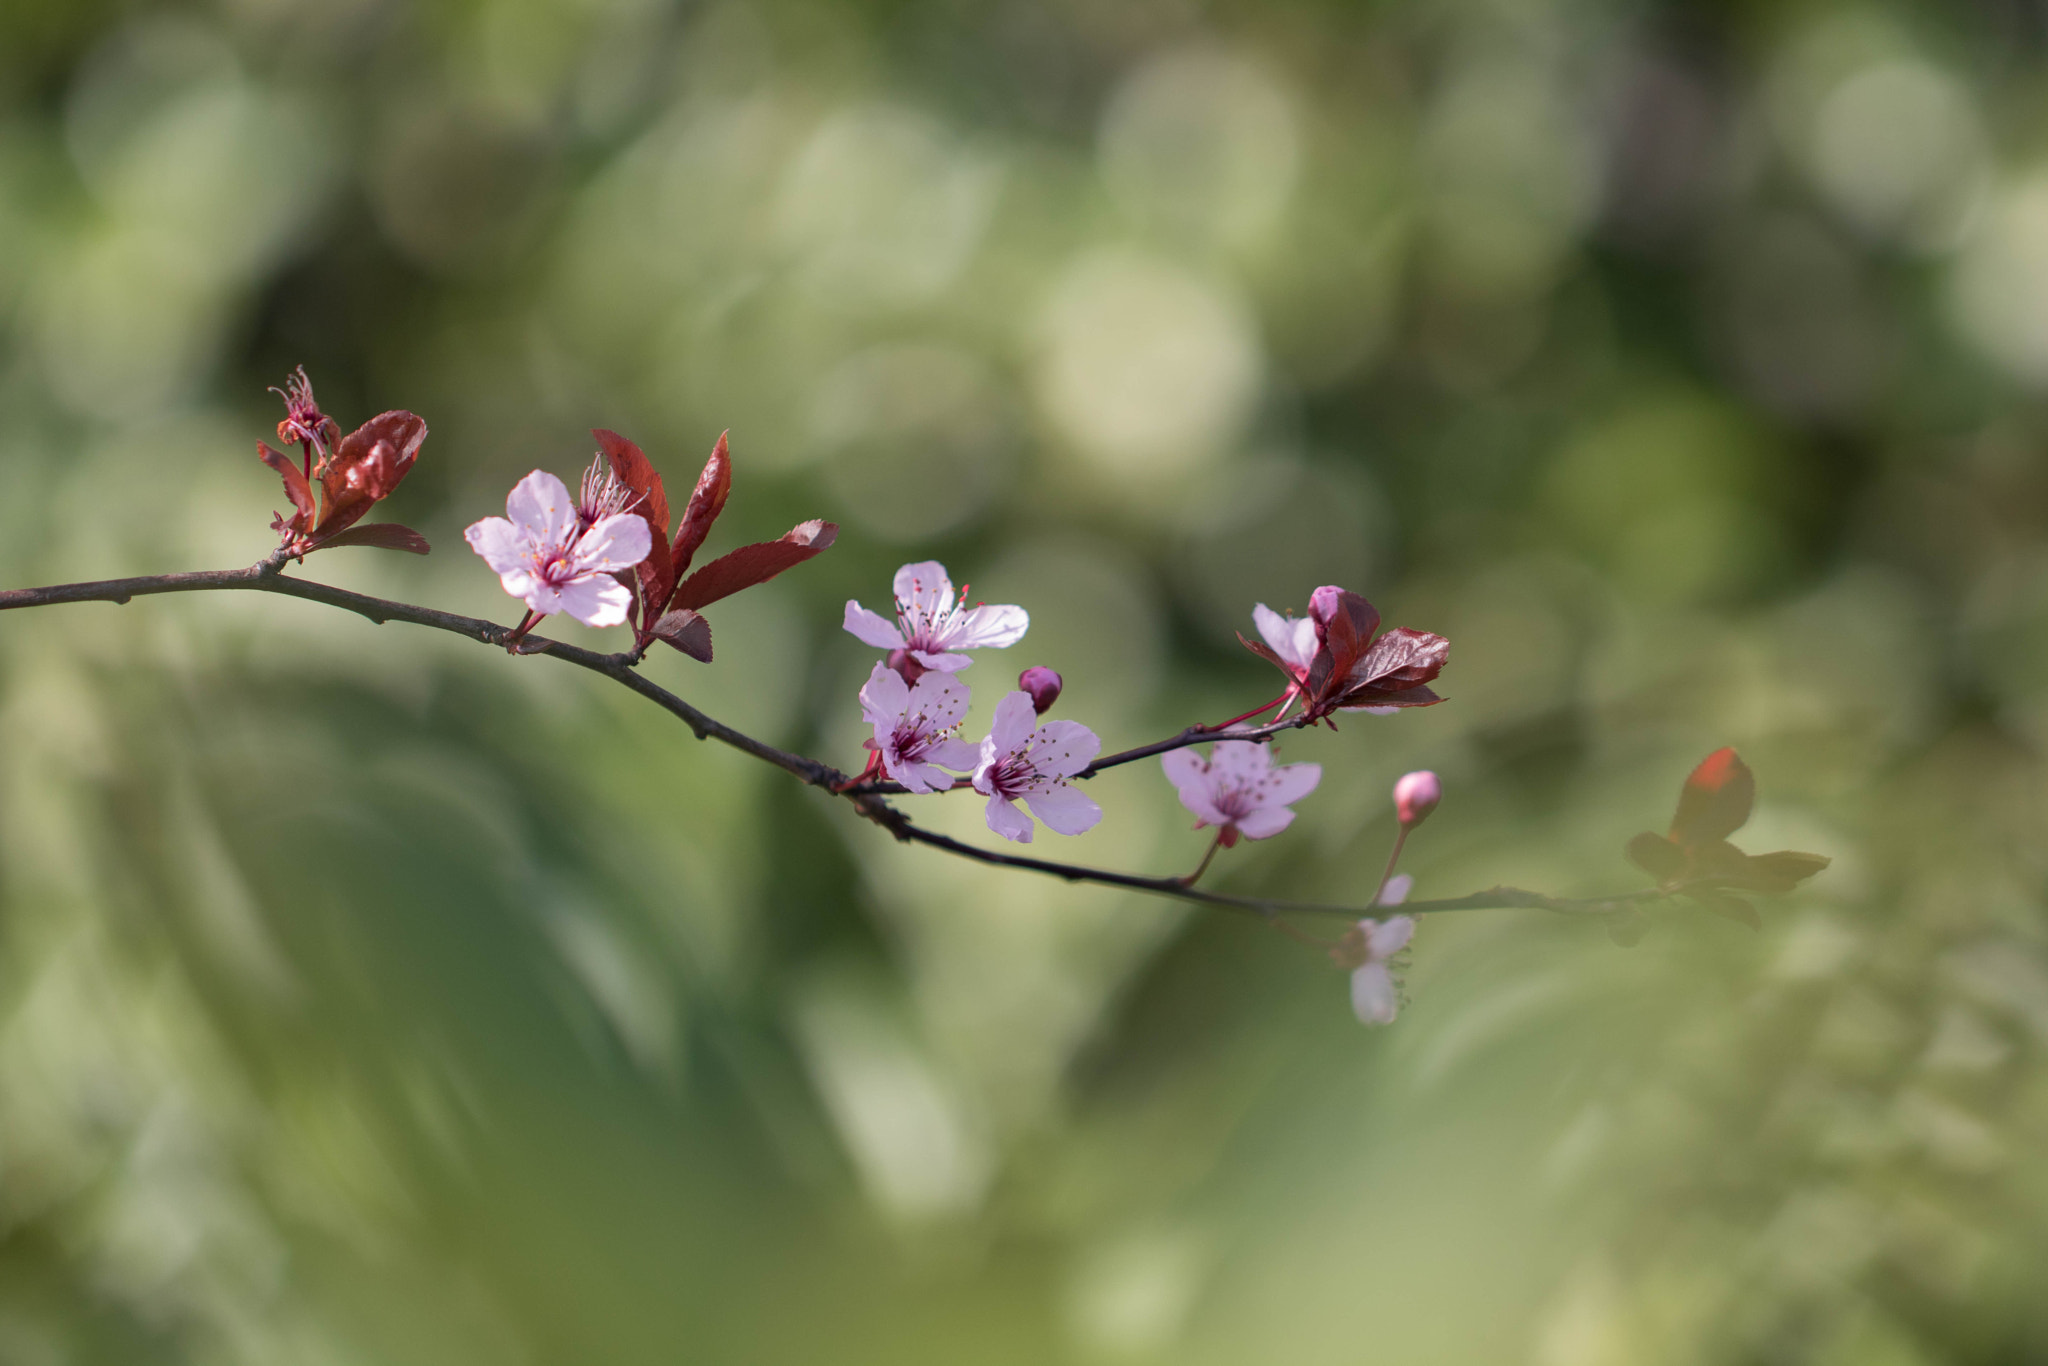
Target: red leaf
1657,856
657,576
633,467
707,500
1392,672
366,467
1782,871
295,486
752,564
1715,800
1265,652
687,631
381,535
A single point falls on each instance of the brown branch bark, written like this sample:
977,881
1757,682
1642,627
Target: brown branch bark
267,576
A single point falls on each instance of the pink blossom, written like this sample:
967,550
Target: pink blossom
1238,789
1293,639
914,727
1367,950
932,625
1024,762
545,556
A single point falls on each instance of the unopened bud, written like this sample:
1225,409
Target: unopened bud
1415,796
1043,685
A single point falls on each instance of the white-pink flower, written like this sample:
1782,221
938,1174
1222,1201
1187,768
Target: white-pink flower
1238,789
1025,762
1291,638
932,624
547,557
914,727
1375,996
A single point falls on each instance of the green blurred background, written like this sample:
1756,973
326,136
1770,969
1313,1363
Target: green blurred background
367,997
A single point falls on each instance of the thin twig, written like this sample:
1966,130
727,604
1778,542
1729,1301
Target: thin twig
266,576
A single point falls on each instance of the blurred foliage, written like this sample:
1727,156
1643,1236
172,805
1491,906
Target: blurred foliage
369,998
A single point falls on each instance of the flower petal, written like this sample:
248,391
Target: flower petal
1397,889
1014,722
1064,808
1006,820
1293,639
1388,937
504,547
986,628
1061,749
959,755
871,628
924,586
618,542
598,600
884,698
1287,784
1373,998
917,775
1185,768
940,699
1238,763
1264,823
541,506
1200,801
944,663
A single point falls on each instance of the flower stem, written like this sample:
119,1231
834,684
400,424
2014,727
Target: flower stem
1226,725
1393,858
1192,878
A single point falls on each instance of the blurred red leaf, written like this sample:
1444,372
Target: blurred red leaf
1715,801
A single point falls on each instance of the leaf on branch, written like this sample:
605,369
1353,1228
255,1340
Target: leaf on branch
1657,856
637,473
707,500
754,564
687,631
380,535
295,486
365,468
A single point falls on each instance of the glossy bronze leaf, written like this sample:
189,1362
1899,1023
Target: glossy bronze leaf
687,631
380,535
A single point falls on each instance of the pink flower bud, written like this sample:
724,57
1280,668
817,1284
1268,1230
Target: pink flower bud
1323,603
1043,685
1415,796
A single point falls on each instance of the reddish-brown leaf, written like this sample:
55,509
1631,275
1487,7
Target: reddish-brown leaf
1715,800
687,631
1657,856
1265,652
1399,663
295,486
637,472
366,467
1781,871
381,535
657,576
752,564
707,500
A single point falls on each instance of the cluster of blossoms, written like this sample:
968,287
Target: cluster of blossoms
916,704
608,556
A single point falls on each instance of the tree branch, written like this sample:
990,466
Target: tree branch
266,576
